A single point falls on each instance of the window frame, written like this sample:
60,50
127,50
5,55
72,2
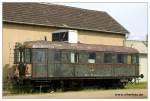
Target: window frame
60,36
25,55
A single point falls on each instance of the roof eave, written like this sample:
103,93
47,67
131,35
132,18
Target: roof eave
122,33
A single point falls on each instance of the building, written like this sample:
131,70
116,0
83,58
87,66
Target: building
37,21
141,46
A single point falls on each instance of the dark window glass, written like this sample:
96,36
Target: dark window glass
92,55
76,57
107,57
55,37
57,56
137,59
62,36
120,58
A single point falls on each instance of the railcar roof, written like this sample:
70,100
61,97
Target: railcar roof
78,46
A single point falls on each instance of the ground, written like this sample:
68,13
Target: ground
86,94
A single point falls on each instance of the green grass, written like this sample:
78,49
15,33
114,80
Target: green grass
16,91
141,85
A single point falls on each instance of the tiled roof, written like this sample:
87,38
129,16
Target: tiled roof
78,46
60,16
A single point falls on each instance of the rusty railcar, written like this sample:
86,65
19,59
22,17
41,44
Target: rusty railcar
58,62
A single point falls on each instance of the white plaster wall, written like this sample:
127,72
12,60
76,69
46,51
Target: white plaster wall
143,67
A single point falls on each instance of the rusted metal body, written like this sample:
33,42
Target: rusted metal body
44,64
78,47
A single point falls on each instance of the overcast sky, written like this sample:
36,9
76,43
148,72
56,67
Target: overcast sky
133,16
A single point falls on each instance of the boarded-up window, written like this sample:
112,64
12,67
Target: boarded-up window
129,59
108,58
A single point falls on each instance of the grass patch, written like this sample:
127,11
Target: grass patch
27,90
141,85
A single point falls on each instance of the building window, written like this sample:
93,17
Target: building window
120,58
129,59
107,57
60,36
74,57
92,57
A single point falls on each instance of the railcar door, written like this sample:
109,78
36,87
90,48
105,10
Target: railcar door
39,61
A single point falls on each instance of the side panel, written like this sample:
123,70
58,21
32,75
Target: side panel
115,70
82,71
39,70
103,71
124,71
60,70
39,61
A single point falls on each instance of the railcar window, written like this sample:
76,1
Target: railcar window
22,56
27,55
74,57
38,56
61,36
57,56
16,56
129,59
121,58
92,57
135,59
83,57
65,56
107,57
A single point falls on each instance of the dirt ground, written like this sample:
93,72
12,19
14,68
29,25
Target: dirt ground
87,94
